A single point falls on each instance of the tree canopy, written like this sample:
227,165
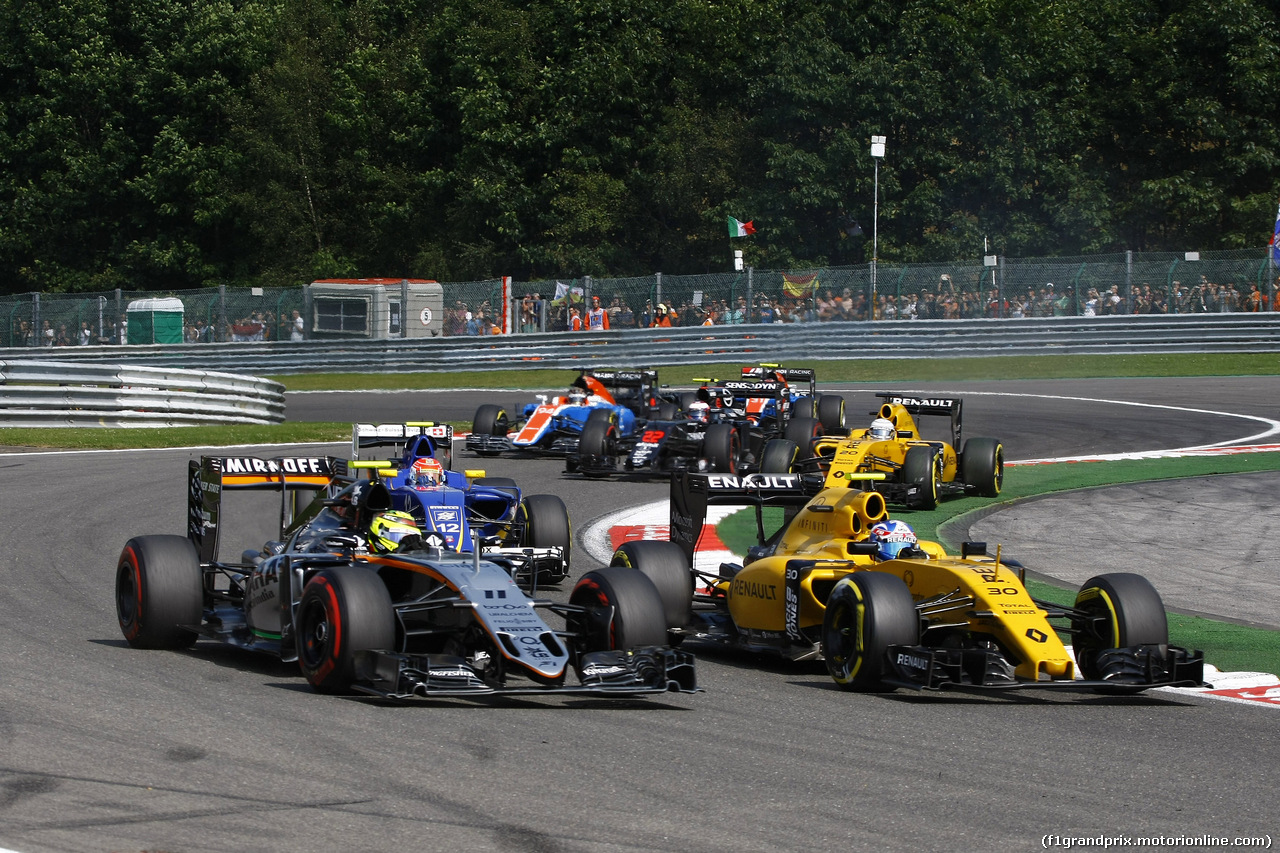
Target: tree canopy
169,145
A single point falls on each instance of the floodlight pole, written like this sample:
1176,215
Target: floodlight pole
877,153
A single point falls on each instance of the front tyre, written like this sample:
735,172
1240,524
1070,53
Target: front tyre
803,431
1125,611
664,564
638,618
866,613
831,413
490,419
920,469
982,466
720,447
779,456
597,440
546,525
343,610
159,592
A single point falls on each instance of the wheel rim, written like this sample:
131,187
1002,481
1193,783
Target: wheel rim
842,641
315,634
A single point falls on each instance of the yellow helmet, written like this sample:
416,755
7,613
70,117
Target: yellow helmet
389,529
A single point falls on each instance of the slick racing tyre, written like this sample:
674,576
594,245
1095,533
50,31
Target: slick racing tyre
490,420
636,607
664,564
779,456
720,448
667,412
1126,610
982,467
920,468
804,407
803,431
546,525
831,412
344,610
159,592
866,613
597,440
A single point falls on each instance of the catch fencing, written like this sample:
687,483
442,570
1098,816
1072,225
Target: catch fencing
1141,284
1214,333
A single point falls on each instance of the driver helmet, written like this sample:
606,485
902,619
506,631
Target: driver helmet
882,430
893,537
427,472
389,529
699,411
577,397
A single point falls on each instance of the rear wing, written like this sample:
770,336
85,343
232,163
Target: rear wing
790,375
294,477
401,438
915,405
624,378
691,494
771,389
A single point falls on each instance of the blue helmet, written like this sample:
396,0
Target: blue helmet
893,537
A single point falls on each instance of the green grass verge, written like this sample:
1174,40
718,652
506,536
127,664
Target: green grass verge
202,436
1226,646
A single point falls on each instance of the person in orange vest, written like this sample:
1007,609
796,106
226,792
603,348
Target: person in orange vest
597,317
575,322
663,318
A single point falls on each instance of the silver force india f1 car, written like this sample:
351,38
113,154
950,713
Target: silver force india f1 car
364,608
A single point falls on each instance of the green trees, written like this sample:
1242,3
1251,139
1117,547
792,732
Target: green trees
160,144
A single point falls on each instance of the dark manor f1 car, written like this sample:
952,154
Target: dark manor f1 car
823,586
426,620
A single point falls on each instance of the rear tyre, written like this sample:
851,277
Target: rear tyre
982,466
546,525
866,613
490,420
779,456
664,564
638,615
831,413
720,447
159,592
344,610
804,407
920,468
668,411
803,431
1129,613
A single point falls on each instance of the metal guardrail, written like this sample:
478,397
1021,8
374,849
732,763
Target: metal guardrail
1183,333
74,393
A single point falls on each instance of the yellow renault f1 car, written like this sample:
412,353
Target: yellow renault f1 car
917,471
842,581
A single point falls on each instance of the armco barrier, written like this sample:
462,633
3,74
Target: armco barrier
60,393
1183,333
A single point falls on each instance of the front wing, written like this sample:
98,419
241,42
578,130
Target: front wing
644,671
1127,670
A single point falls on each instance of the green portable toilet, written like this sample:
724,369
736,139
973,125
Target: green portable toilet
155,321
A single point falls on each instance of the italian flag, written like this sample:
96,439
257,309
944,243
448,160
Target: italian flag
740,229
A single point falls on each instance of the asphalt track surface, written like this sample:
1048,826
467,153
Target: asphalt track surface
109,748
